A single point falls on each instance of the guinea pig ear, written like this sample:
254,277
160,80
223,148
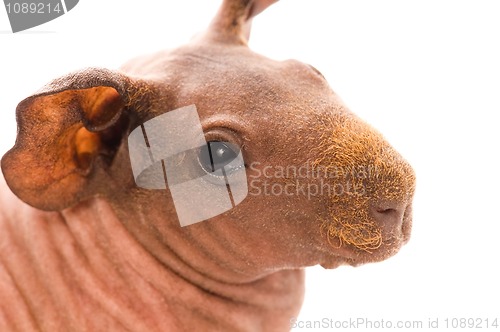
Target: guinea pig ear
65,131
233,20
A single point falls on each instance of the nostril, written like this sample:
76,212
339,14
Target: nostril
389,214
393,217
385,211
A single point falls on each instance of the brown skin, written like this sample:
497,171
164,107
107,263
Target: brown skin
113,256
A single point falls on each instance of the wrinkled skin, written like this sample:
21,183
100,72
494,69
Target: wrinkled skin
84,249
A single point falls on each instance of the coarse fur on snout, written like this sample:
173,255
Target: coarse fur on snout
83,248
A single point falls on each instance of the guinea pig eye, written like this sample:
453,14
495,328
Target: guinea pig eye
218,155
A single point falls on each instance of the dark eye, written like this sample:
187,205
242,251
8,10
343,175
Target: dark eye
218,155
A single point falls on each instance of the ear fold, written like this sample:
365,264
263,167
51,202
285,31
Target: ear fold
64,131
233,21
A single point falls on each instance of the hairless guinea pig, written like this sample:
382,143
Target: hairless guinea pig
188,190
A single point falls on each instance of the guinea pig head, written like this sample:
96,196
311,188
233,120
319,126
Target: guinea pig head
321,185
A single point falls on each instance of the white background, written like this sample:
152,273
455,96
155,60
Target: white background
425,73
